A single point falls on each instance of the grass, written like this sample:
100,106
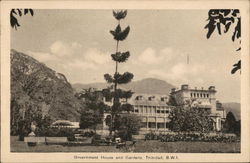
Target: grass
151,146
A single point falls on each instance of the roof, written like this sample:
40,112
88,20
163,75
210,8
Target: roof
148,99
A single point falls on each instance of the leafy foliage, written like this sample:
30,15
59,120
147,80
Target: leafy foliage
36,89
191,119
57,132
119,34
223,19
120,14
127,107
93,114
124,78
120,57
108,78
18,12
231,125
236,66
127,125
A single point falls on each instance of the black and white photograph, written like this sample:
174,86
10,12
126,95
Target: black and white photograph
125,80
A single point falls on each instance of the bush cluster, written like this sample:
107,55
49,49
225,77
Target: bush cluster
192,137
57,132
88,134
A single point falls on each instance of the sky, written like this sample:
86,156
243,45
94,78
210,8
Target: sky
78,44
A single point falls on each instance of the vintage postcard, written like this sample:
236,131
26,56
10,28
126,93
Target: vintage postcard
125,81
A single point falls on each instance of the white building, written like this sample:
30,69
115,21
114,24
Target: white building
201,99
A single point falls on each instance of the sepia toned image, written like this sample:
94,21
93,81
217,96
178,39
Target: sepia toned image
165,88
154,83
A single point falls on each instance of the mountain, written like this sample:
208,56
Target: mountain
35,86
234,108
147,86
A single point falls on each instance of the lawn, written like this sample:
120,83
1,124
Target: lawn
151,146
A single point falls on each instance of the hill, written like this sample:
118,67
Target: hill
234,108
147,86
35,86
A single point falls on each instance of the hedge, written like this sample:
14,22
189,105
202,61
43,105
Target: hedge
192,137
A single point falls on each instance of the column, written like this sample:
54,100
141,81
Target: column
147,122
155,122
164,123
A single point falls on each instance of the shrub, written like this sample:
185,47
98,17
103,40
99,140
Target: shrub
151,136
198,137
88,134
57,132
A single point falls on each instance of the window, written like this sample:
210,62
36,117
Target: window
153,110
136,111
166,111
162,98
162,111
158,111
191,94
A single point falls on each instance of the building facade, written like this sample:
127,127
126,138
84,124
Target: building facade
154,109
201,99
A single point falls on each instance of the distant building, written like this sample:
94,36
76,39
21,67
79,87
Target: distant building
65,124
153,110
201,99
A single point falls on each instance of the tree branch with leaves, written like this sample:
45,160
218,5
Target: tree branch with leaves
14,13
223,19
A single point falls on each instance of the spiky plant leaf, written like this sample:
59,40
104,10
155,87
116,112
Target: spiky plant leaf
26,11
31,12
236,66
13,20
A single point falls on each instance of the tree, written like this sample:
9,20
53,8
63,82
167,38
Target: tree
230,123
93,114
223,19
18,12
127,125
190,119
116,79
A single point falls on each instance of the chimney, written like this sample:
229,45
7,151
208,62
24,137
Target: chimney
211,88
173,90
184,87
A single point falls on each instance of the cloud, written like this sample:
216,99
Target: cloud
79,65
150,56
96,56
180,73
41,56
61,48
